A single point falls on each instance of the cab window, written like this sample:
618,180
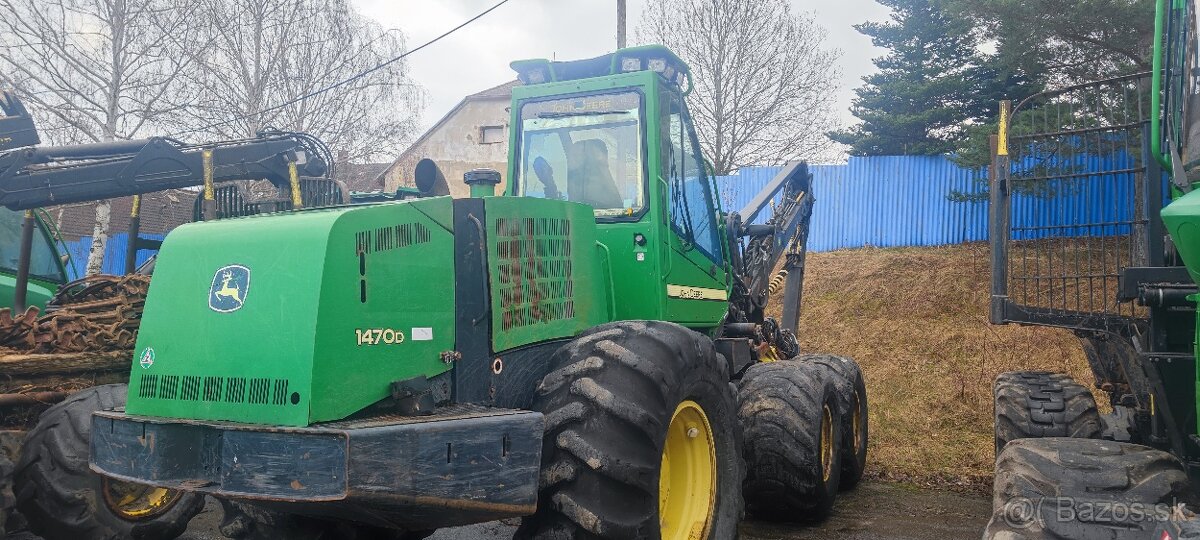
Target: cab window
43,263
693,214
584,149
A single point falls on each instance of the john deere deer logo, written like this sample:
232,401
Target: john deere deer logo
230,285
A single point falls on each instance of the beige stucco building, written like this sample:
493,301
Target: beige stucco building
472,135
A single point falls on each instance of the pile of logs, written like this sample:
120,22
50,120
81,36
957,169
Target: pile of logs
94,314
85,337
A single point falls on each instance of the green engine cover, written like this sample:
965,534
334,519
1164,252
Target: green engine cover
290,319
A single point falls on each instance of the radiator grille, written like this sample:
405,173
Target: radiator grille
262,391
393,237
534,271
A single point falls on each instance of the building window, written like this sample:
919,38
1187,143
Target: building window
491,134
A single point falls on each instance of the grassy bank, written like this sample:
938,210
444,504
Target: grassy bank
916,320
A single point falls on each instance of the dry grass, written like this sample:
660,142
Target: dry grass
916,320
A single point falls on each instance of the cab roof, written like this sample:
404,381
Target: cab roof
656,58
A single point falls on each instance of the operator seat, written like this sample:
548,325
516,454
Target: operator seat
589,179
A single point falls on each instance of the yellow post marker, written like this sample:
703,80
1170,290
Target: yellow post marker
294,177
1002,136
209,194
135,227
208,209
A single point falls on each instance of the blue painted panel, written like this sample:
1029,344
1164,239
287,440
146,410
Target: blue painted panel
890,201
114,254
881,201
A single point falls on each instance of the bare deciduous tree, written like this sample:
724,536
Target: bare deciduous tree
94,70
100,70
266,52
765,83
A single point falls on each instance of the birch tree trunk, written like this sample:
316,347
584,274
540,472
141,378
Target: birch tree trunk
95,262
97,71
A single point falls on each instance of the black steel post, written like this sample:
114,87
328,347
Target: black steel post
20,295
999,209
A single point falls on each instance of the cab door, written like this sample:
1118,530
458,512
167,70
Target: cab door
695,277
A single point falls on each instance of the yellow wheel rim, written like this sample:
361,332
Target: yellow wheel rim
687,483
826,444
134,502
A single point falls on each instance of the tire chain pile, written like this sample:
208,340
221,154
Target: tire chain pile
94,314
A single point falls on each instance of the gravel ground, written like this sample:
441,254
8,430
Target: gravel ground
874,511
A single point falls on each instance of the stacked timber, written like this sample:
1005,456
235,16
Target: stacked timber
84,338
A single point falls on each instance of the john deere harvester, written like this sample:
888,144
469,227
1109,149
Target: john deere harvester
1095,221
590,350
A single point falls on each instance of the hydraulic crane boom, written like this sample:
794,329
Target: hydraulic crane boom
41,176
783,236
16,126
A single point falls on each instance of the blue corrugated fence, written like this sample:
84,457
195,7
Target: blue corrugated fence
891,201
114,254
882,201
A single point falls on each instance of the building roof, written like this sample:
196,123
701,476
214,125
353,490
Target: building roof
160,212
361,176
503,91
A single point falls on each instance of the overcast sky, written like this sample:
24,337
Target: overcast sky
477,57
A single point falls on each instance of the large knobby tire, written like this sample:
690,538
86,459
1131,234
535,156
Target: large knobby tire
62,499
852,402
611,398
1083,489
792,428
1031,404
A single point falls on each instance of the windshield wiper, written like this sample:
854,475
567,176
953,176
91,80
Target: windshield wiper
578,113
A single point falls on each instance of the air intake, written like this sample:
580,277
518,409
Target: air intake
262,391
394,237
534,271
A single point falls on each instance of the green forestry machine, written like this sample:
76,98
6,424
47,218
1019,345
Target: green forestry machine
1095,214
589,351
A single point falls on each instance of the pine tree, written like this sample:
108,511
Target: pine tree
927,86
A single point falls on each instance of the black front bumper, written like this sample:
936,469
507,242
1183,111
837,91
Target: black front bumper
463,465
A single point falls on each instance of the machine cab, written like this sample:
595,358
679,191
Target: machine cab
614,133
46,268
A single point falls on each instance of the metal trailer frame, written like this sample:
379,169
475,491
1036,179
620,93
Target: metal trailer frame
1104,266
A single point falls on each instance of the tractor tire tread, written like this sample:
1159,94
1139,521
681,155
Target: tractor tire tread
608,401
849,382
780,406
1030,404
57,492
1040,474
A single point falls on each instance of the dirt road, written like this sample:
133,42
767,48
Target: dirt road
874,511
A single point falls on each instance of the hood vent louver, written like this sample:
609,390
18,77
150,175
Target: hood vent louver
255,391
394,237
